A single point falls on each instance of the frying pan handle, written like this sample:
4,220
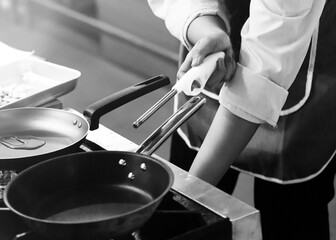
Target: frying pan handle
107,104
170,125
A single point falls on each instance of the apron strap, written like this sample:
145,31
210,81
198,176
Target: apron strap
310,73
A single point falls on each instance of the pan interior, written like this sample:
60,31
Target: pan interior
58,129
53,142
88,187
90,204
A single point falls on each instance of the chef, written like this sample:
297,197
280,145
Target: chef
277,100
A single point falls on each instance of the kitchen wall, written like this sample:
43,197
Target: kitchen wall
127,31
143,32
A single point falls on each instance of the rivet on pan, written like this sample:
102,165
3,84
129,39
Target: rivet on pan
13,174
131,176
122,162
80,125
74,122
143,167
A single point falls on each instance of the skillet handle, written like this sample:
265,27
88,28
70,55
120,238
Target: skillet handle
161,134
96,110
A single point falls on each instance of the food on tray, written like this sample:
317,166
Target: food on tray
28,80
12,93
28,84
33,82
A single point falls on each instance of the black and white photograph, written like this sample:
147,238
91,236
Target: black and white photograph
167,119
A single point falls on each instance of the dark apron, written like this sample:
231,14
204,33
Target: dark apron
305,139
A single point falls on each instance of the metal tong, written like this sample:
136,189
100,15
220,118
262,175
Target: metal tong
158,137
192,83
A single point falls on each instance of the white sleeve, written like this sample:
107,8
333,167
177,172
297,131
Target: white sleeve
275,40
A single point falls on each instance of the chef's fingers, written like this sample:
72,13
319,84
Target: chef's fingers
209,44
196,55
216,79
230,64
185,66
204,47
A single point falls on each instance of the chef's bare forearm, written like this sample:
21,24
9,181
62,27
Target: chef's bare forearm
227,137
228,134
204,26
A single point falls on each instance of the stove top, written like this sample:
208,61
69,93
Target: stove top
192,209
177,218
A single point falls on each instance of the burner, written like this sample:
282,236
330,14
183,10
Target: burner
177,218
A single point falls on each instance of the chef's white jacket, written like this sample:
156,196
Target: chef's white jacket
275,40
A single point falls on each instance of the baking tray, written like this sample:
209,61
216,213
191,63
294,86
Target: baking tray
33,82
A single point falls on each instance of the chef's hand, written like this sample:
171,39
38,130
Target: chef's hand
206,46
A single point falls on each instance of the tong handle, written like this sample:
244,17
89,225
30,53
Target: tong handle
192,83
170,125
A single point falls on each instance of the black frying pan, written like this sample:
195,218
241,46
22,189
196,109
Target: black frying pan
96,195
31,135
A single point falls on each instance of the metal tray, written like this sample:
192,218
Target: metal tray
32,82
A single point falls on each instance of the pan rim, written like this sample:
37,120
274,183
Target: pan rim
45,221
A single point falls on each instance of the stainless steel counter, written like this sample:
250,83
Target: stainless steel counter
244,218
